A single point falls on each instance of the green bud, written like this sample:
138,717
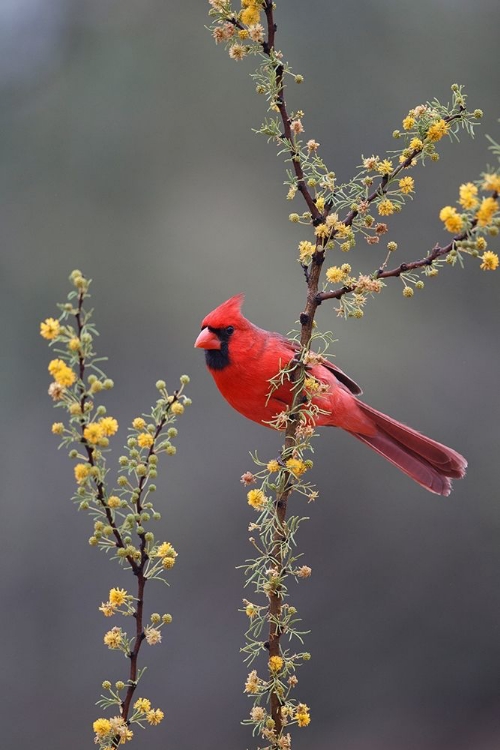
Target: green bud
187,402
172,432
153,459
108,384
455,87
81,491
306,656
140,530
478,113
121,552
161,385
134,453
156,516
420,284
152,488
141,470
184,379
73,454
131,442
123,460
171,450
101,411
106,685
299,78
396,134
119,685
155,618
84,505
93,541
153,473
145,517
294,218
167,619
149,536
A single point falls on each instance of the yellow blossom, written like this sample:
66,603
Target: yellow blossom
342,230
451,218
139,423
177,408
490,261
481,243
81,473
408,122
250,15
275,663
62,374
302,715
50,328
155,716
296,466
117,597
74,344
415,144
93,433
113,638
256,499
166,550
334,274
107,609
58,428
143,705
322,231
488,207
437,130
491,182
102,727
251,610
320,202
386,207
306,250
468,195
109,426
273,466
406,185
145,440
384,166
252,683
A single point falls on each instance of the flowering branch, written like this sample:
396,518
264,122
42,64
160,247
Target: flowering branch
120,513
379,186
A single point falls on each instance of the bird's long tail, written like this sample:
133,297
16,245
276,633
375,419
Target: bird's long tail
428,462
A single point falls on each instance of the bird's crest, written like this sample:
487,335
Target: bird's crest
226,314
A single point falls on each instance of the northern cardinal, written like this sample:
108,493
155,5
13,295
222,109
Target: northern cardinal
243,359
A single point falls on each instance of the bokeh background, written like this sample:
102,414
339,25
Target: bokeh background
127,152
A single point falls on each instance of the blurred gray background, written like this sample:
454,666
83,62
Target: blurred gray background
127,152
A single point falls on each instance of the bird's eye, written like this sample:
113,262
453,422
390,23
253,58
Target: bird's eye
230,330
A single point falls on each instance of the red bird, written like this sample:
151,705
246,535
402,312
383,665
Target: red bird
243,359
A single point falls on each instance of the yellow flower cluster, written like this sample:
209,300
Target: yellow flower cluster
437,130
62,374
273,466
256,499
451,218
406,185
50,328
486,211
97,433
143,705
386,207
145,440
491,182
113,638
490,261
302,716
82,471
252,683
251,12
167,554
296,467
468,195
275,663
306,251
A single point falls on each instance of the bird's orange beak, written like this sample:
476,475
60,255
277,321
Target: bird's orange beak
207,340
